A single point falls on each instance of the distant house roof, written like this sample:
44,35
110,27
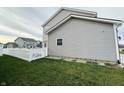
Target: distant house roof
27,39
11,43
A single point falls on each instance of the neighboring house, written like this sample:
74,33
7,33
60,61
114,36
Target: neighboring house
26,42
10,45
81,34
39,44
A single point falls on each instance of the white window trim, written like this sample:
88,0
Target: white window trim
56,42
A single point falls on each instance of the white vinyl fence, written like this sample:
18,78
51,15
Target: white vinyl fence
1,49
26,54
122,58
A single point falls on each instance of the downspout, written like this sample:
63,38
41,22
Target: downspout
119,61
117,43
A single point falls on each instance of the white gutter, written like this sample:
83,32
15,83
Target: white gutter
116,41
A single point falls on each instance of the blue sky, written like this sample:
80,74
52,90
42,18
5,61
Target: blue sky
26,22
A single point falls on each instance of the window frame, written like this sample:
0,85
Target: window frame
59,42
45,45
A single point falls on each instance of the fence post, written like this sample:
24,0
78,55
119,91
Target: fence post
1,49
46,51
30,55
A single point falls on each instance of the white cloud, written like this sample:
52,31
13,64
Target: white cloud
26,22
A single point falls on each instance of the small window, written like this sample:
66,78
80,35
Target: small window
59,42
44,44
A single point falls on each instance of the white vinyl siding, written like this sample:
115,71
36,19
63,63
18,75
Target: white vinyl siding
84,39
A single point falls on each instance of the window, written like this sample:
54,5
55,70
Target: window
59,42
44,44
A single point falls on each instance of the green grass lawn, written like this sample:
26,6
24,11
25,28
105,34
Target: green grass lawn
14,71
122,50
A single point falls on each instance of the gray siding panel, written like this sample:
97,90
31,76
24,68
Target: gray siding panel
62,15
84,39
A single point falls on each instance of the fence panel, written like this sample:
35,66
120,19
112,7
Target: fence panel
1,49
26,54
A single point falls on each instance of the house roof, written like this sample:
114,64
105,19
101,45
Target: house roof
27,39
104,20
11,43
70,9
1,44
